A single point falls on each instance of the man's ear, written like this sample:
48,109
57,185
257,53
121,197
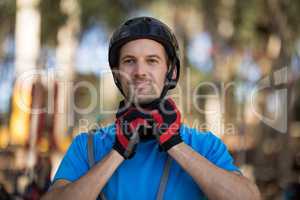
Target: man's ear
174,75
115,75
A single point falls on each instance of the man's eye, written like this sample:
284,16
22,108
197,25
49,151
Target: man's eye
152,61
129,61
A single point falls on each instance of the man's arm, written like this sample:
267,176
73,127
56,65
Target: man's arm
89,185
215,182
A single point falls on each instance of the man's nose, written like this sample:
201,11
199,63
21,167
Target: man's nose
140,69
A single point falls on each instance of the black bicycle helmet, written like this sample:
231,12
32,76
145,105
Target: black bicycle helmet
150,28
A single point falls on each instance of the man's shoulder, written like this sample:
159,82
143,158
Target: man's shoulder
187,131
210,146
200,140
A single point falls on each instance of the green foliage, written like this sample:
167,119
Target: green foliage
111,13
7,16
291,10
52,20
245,20
7,19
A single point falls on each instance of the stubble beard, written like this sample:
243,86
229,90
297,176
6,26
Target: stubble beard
142,95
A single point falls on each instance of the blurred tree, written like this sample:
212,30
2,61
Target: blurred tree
52,19
67,43
24,119
269,29
110,13
7,19
27,17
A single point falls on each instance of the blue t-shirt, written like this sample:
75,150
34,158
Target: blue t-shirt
139,177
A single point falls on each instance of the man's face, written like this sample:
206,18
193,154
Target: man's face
142,70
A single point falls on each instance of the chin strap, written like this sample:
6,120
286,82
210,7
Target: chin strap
169,84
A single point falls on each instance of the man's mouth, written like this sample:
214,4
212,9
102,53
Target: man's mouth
139,84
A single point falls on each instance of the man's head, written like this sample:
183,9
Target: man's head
144,57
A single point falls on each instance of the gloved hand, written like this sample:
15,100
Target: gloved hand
168,120
130,122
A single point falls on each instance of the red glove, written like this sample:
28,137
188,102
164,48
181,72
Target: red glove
168,120
129,124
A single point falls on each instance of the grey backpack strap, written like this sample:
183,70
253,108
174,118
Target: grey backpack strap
164,179
91,157
91,149
102,196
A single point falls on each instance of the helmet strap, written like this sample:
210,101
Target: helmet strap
169,82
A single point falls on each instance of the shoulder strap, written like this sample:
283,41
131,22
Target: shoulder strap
164,179
91,149
91,157
102,196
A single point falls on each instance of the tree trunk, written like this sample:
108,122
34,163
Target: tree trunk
23,129
65,53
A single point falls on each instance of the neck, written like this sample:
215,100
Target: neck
148,105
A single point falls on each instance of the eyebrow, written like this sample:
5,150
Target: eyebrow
127,56
154,56
148,56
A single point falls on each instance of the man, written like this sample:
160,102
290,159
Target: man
147,153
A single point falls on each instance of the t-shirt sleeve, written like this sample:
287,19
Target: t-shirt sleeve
219,154
74,164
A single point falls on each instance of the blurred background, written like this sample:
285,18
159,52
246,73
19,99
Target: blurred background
240,79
